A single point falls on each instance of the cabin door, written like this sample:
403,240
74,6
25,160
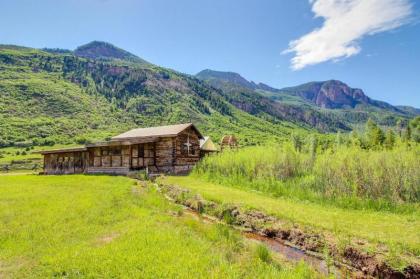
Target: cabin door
79,162
142,155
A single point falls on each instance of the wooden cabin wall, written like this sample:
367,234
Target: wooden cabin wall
165,154
65,163
186,159
109,157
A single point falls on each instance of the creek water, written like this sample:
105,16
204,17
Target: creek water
294,254
289,252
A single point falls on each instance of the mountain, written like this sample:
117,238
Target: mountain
334,94
217,77
246,96
104,50
59,96
332,99
64,97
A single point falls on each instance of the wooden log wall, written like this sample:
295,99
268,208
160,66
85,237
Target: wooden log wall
165,152
65,163
109,156
184,155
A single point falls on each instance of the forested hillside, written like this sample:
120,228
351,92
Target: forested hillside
332,102
58,97
55,96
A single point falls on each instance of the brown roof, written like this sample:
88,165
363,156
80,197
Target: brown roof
160,131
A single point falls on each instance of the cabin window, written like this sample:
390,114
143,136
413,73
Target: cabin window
104,151
187,148
184,150
141,150
116,151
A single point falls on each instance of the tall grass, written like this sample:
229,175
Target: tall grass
346,176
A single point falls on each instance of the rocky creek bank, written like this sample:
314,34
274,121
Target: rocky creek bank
316,244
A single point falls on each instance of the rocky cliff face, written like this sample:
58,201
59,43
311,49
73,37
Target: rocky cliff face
331,94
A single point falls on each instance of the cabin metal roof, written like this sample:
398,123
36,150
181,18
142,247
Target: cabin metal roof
160,131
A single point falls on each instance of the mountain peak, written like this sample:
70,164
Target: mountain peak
230,77
330,94
104,50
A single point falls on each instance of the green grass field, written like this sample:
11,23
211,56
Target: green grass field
110,227
400,232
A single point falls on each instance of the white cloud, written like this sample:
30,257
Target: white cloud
346,22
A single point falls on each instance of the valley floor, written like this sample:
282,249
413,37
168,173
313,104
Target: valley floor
399,232
110,227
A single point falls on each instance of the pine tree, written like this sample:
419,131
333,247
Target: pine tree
415,129
296,141
400,127
313,145
338,140
407,134
375,136
389,139
355,139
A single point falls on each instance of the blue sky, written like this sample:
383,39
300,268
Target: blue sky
244,36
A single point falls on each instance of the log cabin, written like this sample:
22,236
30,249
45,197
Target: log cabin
163,149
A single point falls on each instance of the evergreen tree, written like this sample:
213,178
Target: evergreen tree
296,141
375,136
415,129
400,127
389,139
407,134
313,145
338,140
355,139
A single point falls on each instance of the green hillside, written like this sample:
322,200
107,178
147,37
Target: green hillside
57,97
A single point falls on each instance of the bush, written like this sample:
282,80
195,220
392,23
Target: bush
82,140
142,175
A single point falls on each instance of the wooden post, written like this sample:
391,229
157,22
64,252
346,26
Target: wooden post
154,156
110,158
131,156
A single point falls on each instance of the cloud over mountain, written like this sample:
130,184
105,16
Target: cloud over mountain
345,23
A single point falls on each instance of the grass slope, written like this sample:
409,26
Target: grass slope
109,227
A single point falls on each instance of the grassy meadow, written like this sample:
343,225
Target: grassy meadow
347,177
110,227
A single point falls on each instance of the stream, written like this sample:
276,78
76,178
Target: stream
289,252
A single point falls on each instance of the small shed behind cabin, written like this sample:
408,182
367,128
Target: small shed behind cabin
207,146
